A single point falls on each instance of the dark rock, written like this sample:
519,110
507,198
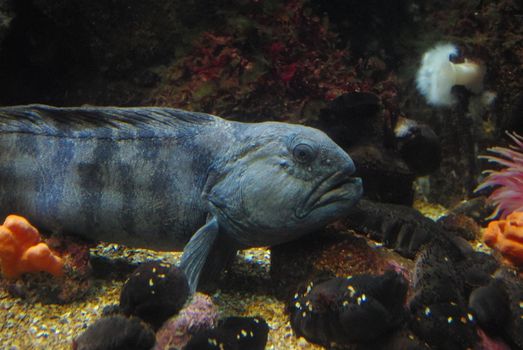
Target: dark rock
403,339
478,209
401,228
435,278
436,293
233,333
154,292
386,177
514,288
418,145
314,312
443,277
445,325
490,305
357,309
116,333
352,118
440,315
476,270
211,340
461,225
250,332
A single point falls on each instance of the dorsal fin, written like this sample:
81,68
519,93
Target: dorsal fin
98,122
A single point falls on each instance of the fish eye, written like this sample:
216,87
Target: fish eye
303,153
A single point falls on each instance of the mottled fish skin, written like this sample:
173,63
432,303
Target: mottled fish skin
126,183
152,177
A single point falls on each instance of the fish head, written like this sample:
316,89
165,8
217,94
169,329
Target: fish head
286,181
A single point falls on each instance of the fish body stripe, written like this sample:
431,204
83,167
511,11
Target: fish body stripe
135,191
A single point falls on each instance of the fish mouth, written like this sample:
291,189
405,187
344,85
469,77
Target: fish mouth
337,187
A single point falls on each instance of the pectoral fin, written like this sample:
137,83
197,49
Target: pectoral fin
207,250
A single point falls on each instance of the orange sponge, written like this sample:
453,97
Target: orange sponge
21,250
507,237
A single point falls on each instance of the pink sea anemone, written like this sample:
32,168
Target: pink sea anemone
508,194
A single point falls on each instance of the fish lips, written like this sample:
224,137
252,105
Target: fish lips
338,187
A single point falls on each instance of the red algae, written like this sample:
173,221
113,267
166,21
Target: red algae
269,61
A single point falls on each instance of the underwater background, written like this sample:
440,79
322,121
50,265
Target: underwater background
353,69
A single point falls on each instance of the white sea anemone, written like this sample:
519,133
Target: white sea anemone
437,75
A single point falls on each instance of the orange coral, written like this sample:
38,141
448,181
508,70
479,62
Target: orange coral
21,250
507,237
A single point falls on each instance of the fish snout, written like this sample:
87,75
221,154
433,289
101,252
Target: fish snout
343,182
339,187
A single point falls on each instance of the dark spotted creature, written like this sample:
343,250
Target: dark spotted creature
250,333
232,333
399,227
169,179
445,325
402,339
154,292
490,304
354,310
418,145
116,333
476,270
439,308
513,285
210,340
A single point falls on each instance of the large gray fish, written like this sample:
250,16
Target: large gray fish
169,179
